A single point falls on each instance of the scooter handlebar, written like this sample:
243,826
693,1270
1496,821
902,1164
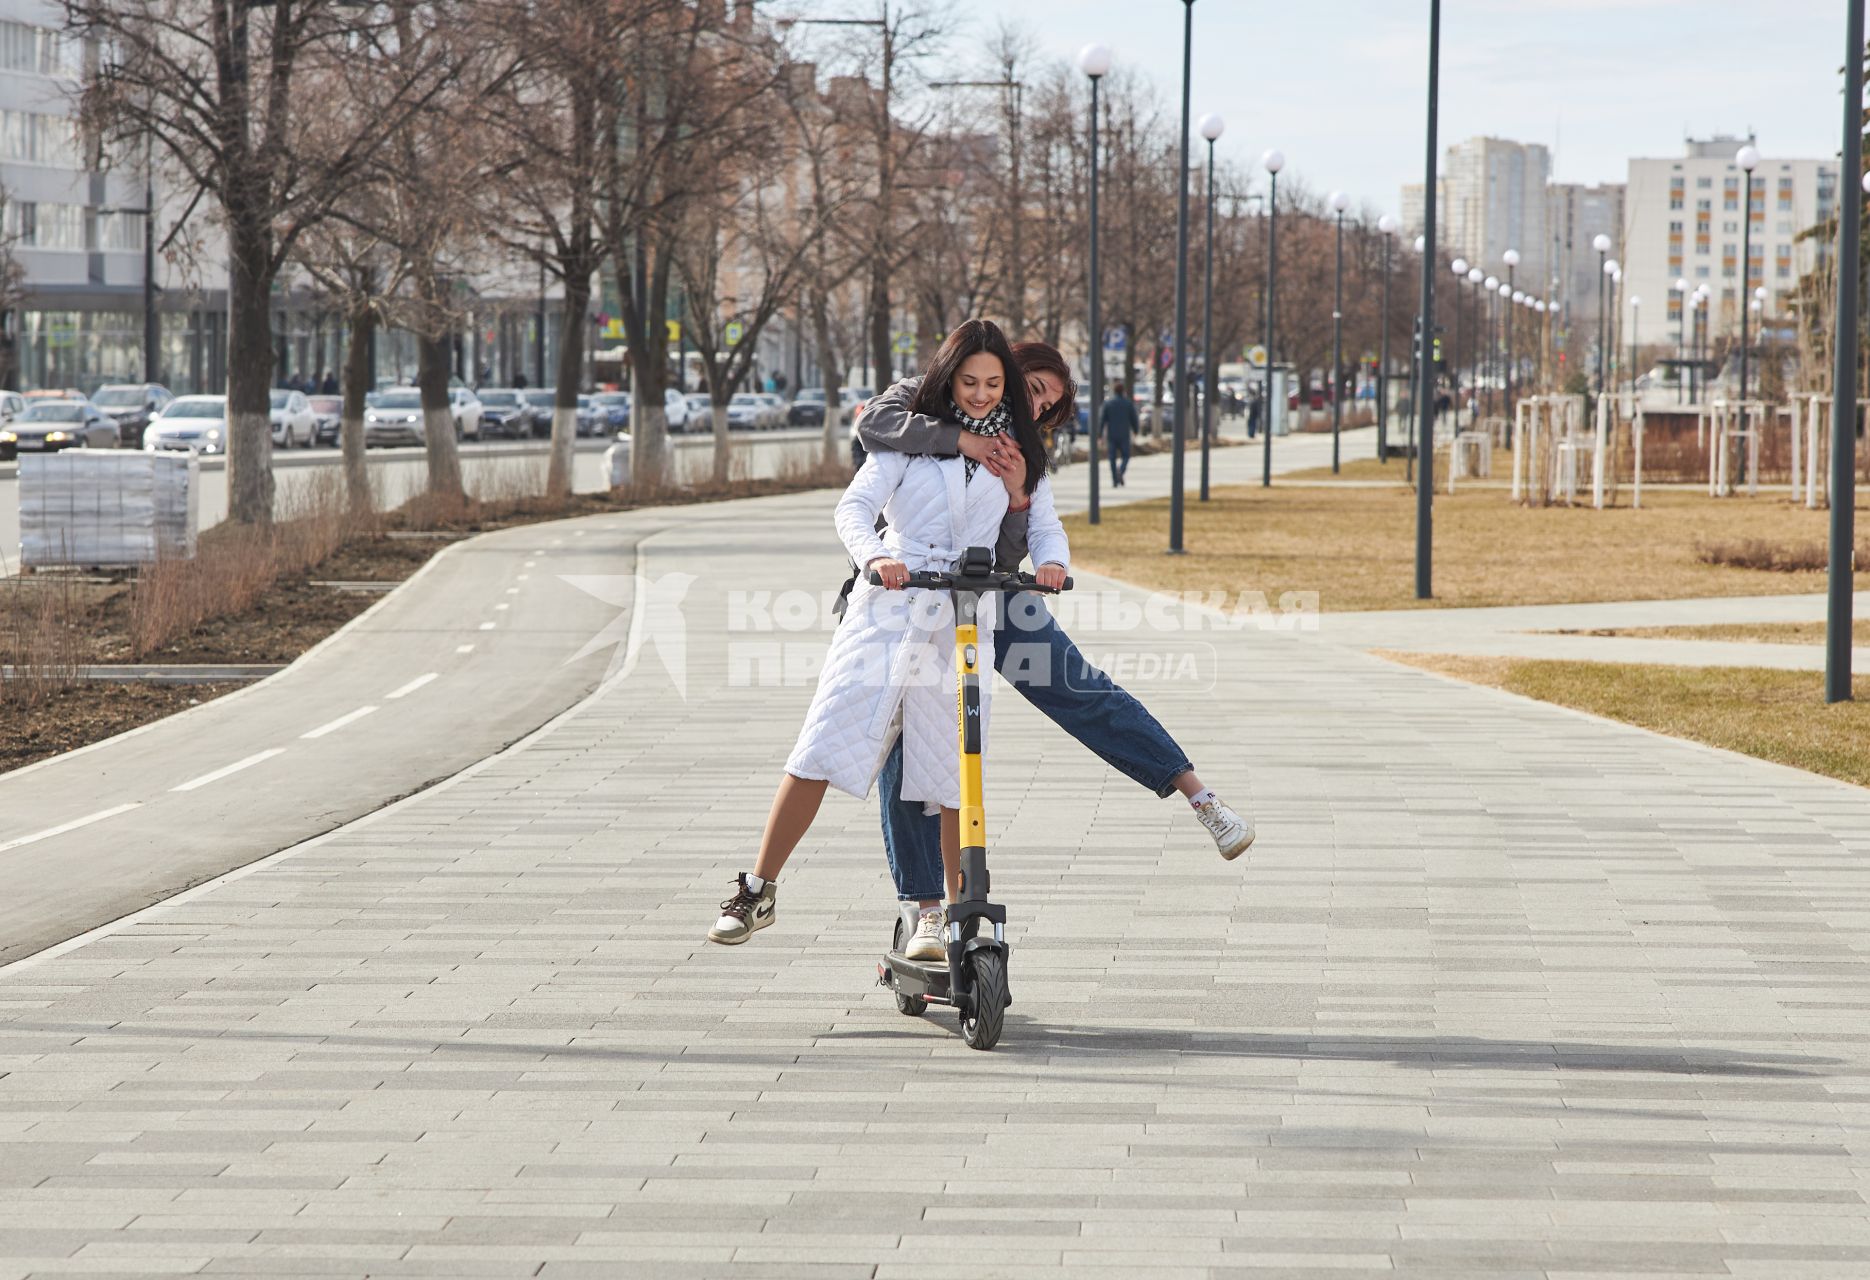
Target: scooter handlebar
988,582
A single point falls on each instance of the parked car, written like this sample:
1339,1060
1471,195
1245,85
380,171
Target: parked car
465,406
327,417
395,418
775,409
48,426
745,412
853,400
539,400
504,413
293,420
131,405
12,404
700,411
615,408
197,423
676,412
808,408
590,418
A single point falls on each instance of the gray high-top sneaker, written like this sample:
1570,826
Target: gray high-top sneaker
745,913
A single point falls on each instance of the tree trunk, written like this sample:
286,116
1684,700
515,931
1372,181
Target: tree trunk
828,370
249,374
880,324
558,477
433,353
723,446
351,417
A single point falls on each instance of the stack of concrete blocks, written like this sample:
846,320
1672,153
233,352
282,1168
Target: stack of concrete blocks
107,508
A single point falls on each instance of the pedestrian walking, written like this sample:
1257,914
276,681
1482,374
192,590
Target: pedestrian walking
1120,424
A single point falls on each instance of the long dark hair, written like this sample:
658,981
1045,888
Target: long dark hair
935,396
1043,357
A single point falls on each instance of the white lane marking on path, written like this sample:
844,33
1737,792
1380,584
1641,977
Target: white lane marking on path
512,591
73,825
486,626
522,577
501,608
413,685
530,564
334,725
464,648
224,770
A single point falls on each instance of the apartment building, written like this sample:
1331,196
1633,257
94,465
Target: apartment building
1683,220
1491,198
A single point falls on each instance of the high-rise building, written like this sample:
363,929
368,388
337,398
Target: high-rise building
1683,221
1576,215
1491,198
76,233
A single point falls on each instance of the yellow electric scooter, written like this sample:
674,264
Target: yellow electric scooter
974,979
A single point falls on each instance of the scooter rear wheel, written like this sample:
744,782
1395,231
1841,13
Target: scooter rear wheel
981,1028
908,1006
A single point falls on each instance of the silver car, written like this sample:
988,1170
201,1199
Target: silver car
294,423
50,425
395,418
196,423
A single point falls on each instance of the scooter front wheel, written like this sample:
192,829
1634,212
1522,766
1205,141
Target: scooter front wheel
981,1027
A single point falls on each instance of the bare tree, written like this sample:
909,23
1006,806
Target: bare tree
182,72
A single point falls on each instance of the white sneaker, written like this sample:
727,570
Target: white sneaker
927,943
1232,833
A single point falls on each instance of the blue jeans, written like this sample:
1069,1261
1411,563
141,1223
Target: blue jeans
1053,675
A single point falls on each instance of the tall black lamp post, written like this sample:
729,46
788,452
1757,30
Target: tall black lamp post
1338,202
1511,258
1844,373
1387,226
1181,293
1748,158
1273,161
1094,61
1681,338
1490,313
1425,334
1212,127
1601,243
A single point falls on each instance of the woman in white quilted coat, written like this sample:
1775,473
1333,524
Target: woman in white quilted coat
890,670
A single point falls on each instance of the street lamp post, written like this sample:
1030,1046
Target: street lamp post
1491,313
1338,202
1387,226
1636,323
1844,374
1511,258
1425,483
1748,158
1176,463
1477,278
1273,161
1094,61
1505,292
1682,335
1616,294
1211,129
1601,243
1460,269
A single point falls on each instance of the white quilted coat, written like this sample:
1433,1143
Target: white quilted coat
891,662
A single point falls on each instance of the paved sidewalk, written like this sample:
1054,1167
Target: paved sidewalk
1502,991
1526,631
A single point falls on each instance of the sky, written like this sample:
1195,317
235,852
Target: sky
1340,85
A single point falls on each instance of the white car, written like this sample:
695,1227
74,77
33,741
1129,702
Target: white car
195,423
675,410
294,423
395,417
467,412
775,410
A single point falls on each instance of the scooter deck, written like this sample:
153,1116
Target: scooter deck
924,978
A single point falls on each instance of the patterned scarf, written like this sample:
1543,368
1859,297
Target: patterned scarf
998,421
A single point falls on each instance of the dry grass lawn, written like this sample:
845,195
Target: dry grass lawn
1355,547
1775,715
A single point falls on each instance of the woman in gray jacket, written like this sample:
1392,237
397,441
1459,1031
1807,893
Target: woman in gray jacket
1032,653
